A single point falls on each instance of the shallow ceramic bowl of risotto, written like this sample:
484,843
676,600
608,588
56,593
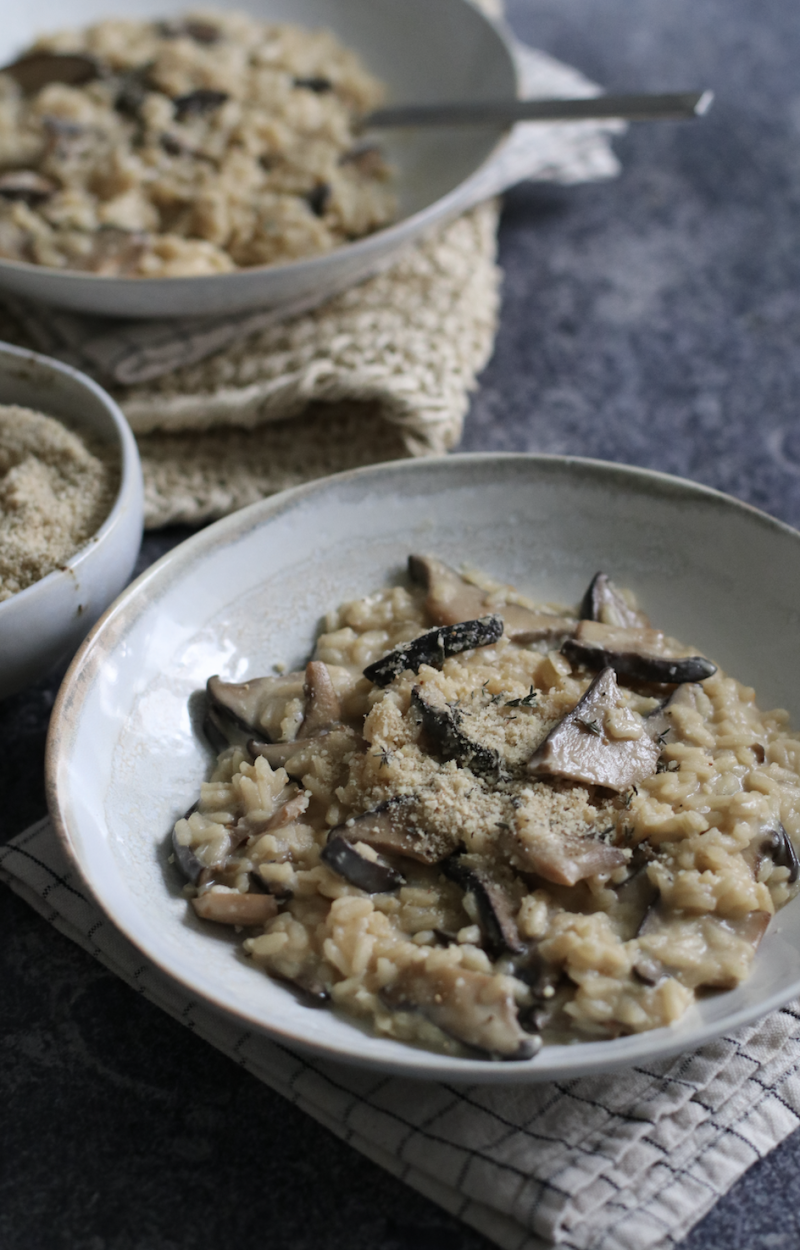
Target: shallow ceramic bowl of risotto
422,52
42,624
246,597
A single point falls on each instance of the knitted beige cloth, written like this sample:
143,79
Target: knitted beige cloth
382,371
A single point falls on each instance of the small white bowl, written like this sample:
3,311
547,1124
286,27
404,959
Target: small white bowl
423,51
43,624
124,760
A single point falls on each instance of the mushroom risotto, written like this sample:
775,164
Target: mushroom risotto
194,146
479,822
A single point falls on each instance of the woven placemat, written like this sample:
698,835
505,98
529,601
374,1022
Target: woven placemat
382,371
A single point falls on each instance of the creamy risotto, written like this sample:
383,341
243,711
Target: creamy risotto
200,145
478,821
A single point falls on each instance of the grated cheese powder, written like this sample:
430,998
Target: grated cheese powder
54,494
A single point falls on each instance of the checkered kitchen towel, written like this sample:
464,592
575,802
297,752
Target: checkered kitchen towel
602,1163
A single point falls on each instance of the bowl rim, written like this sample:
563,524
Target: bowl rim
612,1055
358,249
130,475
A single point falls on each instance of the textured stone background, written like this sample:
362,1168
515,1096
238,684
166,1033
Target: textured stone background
654,320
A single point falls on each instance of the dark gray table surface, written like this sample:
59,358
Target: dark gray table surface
654,320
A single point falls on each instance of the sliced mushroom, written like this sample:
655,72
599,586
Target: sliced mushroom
433,648
190,28
367,158
26,186
373,877
779,847
235,908
317,84
693,948
277,754
392,829
442,723
292,804
495,909
114,252
323,709
250,704
318,198
603,602
784,855
294,756
198,103
38,69
469,1006
580,749
564,859
288,812
542,979
635,653
450,599
223,731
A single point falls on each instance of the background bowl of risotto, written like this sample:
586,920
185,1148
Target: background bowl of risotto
420,52
247,595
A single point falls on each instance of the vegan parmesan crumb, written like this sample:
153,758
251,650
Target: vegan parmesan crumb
54,494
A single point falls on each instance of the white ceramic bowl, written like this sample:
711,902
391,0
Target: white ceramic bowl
44,624
124,760
424,51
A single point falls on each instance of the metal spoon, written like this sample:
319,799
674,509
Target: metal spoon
677,105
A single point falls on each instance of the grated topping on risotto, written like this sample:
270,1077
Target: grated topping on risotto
195,146
479,822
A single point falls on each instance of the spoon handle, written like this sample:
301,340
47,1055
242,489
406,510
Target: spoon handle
676,105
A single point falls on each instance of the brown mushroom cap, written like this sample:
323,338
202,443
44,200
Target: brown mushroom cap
250,703
442,725
234,908
434,646
26,186
197,103
637,654
38,69
391,829
450,600
323,709
580,748
294,756
371,876
564,859
603,602
495,909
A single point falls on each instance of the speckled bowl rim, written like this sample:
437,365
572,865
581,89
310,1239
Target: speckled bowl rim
614,1055
130,469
